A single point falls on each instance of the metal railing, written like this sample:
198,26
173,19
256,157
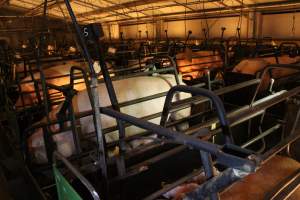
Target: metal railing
58,157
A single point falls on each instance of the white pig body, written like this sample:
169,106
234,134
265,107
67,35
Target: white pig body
126,90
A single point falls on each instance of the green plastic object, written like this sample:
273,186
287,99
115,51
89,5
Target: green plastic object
64,189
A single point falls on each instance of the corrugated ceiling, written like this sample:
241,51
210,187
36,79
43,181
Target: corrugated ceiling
122,11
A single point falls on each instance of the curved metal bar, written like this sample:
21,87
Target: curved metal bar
201,92
266,69
234,161
83,180
172,67
85,78
282,45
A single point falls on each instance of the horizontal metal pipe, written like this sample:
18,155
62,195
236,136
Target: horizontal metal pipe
245,113
190,100
159,114
262,135
198,56
202,63
280,146
223,158
199,92
181,104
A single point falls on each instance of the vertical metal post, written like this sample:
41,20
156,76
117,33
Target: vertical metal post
208,170
208,80
226,62
110,36
109,33
95,101
38,63
47,131
187,38
205,36
20,89
167,37
239,35
25,68
115,106
36,84
209,86
222,34
76,137
49,143
121,36
174,65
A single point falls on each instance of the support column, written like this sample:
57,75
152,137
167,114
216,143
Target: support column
159,28
251,25
256,22
114,31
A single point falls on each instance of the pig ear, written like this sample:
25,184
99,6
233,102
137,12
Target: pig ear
97,67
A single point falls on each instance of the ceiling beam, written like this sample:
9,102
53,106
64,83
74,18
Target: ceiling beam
280,5
50,5
173,14
121,6
56,4
34,10
232,8
3,3
242,3
127,8
135,3
83,3
172,4
185,5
